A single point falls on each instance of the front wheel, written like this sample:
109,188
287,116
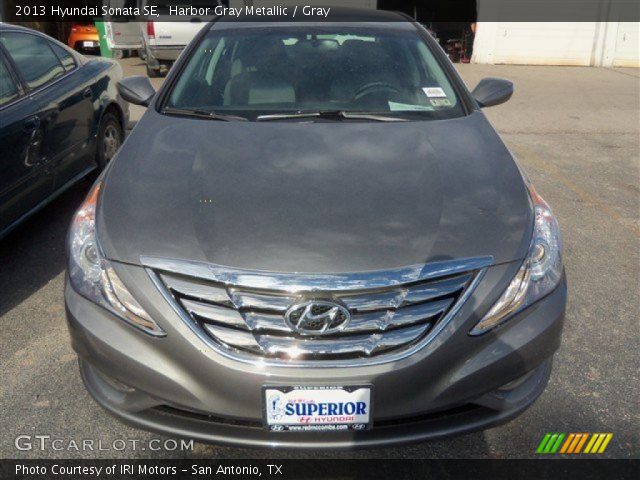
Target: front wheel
110,137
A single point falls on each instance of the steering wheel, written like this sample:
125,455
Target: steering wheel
374,87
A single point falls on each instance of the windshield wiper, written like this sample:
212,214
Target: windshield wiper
330,114
204,114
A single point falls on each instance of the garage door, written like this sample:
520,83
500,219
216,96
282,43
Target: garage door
535,43
627,50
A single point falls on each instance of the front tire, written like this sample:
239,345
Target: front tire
110,137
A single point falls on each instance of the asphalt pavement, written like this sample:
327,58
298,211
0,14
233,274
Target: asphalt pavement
576,131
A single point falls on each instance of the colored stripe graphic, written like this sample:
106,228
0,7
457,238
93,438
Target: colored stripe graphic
556,445
543,443
568,442
550,443
592,440
581,443
598,443
573,443
596,446
606,441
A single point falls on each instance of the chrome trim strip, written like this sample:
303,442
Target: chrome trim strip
425,292
250,300
295,282
234,338
363,344
197,290
214,313
480,264
258,322
404,297
383,320
360,301
367,322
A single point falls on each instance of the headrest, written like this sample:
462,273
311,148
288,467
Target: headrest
260,50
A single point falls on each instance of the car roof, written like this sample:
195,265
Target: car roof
9,26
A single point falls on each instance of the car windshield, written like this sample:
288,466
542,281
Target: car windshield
259,71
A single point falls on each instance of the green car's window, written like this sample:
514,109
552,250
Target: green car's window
68,62
262,70
33,57
8,88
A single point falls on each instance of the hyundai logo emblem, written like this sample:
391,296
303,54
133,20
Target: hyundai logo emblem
317,317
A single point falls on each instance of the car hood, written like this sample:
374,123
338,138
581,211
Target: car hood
337,196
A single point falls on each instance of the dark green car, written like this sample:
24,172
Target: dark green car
60,119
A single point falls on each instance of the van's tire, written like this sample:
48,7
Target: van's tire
165,67
152,73
110,137
118,54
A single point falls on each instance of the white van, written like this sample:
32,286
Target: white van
123,37
158,42
162,42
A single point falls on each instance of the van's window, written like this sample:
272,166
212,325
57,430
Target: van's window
33,57
253,71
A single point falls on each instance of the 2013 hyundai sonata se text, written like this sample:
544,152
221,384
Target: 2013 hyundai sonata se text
314,238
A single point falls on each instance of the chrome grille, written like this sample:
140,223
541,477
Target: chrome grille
243,313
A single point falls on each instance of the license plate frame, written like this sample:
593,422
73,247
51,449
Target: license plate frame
310,393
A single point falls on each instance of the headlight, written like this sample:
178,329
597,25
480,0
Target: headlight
539,274
93,276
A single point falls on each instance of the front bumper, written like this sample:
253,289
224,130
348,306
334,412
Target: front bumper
179,386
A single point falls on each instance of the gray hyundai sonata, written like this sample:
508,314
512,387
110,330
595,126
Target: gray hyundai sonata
314,238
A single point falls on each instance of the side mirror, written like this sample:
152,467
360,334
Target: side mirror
492,91
137,90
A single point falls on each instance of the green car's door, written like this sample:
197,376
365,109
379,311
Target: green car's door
68,114
65,97
24,179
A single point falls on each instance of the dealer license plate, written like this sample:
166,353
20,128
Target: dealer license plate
317,408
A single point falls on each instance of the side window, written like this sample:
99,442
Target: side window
68,62
33,57
8,88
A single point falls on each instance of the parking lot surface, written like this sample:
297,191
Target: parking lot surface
576,131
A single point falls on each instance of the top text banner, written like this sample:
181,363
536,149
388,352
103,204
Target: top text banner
322,10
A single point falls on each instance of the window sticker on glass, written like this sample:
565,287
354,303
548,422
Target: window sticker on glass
434,92
440,102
